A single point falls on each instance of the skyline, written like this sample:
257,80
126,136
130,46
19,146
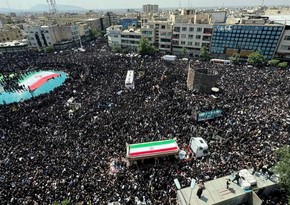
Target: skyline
126,4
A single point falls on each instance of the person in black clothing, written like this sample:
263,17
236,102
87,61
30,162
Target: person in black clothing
237,178
199,192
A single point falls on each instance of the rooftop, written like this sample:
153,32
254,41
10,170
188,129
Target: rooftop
216,193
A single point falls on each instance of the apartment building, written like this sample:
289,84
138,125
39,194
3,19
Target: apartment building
283,50
128,38
149,8
245,39
10,33
162,34
191,36
43,36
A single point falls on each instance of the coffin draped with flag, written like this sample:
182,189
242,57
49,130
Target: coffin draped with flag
152,149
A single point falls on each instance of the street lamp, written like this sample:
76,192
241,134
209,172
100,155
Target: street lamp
192,185
177,184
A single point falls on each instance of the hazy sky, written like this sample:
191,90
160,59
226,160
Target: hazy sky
123,4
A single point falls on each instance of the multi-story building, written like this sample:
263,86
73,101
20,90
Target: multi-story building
149,8
244,39
128,38
283,50
191,36
94,23
162,34
43,36
10,33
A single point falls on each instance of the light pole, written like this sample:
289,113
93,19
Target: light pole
192,185
177,184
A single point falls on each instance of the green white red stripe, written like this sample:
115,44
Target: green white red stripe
153,148
35,80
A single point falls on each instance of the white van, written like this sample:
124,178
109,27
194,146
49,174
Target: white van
169,57
221,61
199,146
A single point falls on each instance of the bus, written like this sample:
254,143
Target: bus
221,61
129,82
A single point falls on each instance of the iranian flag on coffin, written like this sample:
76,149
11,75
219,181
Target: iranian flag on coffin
35,80
151,149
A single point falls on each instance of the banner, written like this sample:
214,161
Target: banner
209,115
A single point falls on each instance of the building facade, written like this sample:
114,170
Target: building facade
10,33
283,50
191,36
149,8
44,36
245,39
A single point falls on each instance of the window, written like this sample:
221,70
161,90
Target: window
189,43
197,44
197,36
183,35
285,47
190,36
163,27
191,29
177,29
184,29
287,38
198,29
182,42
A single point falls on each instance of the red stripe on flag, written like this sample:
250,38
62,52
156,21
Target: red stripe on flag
41,81
153,151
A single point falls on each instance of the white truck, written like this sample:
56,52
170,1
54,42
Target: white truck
169,57
199,147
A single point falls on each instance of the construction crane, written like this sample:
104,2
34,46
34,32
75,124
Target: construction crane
51,6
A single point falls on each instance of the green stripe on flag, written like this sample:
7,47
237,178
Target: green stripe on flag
28,76
149,144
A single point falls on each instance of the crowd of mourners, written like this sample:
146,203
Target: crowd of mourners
47,155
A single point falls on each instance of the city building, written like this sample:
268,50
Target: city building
43,36
162,34
14,46
191,37
128,38
128,22
10,33
245,39
149,8
283,51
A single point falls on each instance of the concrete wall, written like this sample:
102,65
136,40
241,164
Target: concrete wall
204,80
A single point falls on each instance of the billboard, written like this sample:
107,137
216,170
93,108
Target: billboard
209,115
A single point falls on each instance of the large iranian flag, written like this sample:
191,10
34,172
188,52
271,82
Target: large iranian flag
35,80
151,149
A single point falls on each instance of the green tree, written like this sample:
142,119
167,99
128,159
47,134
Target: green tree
235,58
145,48
204,53
184,51
116,48
95,34
273,62
256,59
283,65
283,169
49,49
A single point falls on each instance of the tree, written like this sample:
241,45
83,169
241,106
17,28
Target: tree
95,34
235,58
49,49
256,59
283,65
145,48
116,48
283,169
273,62
204,53
184,51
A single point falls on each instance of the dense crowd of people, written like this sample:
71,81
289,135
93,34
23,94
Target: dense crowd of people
47,156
